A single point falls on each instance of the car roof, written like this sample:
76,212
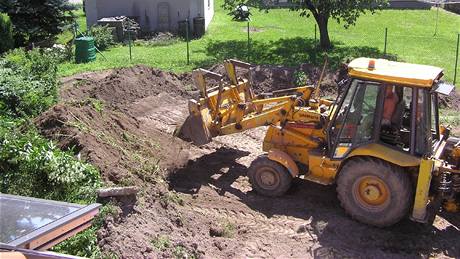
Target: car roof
394,72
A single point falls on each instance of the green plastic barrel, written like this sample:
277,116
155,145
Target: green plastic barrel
85,51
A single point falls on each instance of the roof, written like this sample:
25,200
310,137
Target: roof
395,72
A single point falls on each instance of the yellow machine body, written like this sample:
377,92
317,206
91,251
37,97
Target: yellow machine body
298,124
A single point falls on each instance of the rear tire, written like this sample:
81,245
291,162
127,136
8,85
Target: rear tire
268,177
374,192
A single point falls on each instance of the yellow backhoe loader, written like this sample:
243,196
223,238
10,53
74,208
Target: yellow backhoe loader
379,141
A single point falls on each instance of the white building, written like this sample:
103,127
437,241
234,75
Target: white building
152,15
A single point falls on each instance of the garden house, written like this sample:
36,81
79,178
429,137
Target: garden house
152,15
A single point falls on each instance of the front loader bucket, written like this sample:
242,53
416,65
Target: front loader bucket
195,127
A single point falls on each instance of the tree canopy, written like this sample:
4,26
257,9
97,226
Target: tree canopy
343,11
36,21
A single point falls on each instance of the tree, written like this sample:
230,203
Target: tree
346,11
36,21
6,33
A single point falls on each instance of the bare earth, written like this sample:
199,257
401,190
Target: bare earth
197,202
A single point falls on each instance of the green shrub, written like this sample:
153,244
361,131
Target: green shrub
28,83
34,166
35,63
85,243
6,33
59,53
31,165
300,78
103,37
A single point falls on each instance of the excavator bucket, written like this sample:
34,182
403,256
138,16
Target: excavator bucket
216,106
195,127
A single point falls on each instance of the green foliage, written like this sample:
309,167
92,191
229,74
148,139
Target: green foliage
6,33
36,63
103,37
31,165
229,230
181,252
161,242
84,244
28,83
37,21
322,10
171,197
60,53
34,166
449,117
97,104
300,78
108,209
68,34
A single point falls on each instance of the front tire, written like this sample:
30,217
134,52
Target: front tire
374,192
268,177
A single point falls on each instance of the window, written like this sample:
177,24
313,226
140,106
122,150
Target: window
434,117
355,121
37,223
423,136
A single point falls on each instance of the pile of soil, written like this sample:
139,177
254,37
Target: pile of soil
96,118
451,101
268,78
197,202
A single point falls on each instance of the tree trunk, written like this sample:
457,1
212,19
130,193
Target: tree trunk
325,42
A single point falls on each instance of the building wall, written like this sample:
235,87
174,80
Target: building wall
407,4
147,12
453,8
208,11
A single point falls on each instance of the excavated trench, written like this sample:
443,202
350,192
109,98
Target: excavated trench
198,199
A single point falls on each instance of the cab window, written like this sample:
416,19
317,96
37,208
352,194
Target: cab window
423,134
355,121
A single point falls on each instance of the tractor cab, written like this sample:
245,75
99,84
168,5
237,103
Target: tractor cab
390,104
388,111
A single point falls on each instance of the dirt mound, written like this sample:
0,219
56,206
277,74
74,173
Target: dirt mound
268,78
197,202
450,102
124,86
97,119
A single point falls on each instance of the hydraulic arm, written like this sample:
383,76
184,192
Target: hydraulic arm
233,107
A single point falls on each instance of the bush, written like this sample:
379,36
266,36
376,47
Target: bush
85,243
33,166
300,78
28,83
35,63
60,53
103,37
6,33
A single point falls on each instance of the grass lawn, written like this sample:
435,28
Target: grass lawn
282,37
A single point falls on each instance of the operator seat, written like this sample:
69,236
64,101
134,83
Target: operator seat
391,134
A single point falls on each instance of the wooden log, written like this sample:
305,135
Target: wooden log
117,191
